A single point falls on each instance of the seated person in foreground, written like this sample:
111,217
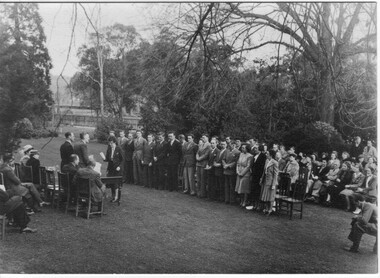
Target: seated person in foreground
14,209
366,223
368,190
98,189
14,186
34,161
357,180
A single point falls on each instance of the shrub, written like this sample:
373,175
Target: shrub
44,133
23,129
317,136
109,123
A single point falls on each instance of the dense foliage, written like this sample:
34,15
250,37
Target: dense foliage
24,71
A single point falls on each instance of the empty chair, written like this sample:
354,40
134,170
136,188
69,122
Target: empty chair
83,193
64,187
294,202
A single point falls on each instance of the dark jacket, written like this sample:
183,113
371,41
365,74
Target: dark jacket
80,149
129,148
7,203
12,182
159,151
173,152
67,149
148,153
115,161
257,167
218,169
230,162
71,169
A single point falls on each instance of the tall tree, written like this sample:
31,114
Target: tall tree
326,34
24,71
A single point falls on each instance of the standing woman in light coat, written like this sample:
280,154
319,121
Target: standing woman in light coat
269,182
243,174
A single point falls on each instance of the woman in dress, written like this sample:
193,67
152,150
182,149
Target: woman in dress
269,182
243,174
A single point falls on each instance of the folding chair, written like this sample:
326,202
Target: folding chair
83,192
114,180
296,198
64,187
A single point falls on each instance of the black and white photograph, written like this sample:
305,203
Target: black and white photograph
188,138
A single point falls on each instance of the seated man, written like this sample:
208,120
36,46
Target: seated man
319,177
71,168
332,175
14,208
98,189
12,183
364,224
350,189
34,161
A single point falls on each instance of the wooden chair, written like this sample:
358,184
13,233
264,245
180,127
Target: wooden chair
64,187
114,180
83,192
26,173
17,169
52,189
296,198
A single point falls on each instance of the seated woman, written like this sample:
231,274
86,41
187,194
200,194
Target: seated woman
343,178
357,180
370,164
292,168
333,159
331,177
345,157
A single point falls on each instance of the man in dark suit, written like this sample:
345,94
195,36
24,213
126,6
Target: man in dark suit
80,149
121,140
67,149
257,168
114,159
189,150
139,144
159,158
98,189
147,162
129,148
71,168
210,170
173,152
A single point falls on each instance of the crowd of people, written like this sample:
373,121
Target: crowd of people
220,169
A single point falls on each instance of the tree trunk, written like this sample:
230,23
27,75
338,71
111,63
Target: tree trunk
327,103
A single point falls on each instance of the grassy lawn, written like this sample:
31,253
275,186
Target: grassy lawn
168,232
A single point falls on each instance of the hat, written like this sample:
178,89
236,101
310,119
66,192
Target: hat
27,148
293,154
361,156
33,151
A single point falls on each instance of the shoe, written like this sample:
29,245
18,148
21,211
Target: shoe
249,207
185,192
43,204
28,230
269,213
350,250
37,210
357,211
113,201
29,213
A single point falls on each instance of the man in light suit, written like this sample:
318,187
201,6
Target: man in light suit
202,159
67,148
114,159
159,157
189,151
174,153
139,144
80,149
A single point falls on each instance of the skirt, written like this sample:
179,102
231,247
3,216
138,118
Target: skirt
267,193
